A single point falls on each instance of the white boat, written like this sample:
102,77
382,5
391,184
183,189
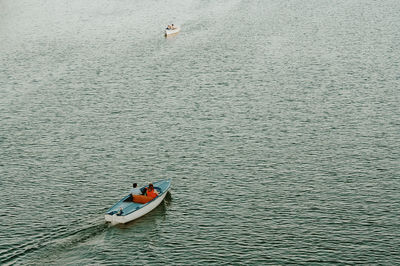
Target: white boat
169,32
126,210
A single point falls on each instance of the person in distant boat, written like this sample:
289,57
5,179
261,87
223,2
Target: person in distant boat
151,192
172,27
169,27
135,190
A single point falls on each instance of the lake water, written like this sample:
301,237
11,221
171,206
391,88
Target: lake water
277,121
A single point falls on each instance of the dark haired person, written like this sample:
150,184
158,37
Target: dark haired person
135,190
151,192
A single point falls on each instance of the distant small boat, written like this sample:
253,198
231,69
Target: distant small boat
169,32
126,210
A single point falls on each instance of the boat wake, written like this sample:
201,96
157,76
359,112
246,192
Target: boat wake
50,243
46,244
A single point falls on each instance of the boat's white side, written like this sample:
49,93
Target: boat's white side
170,32
115,219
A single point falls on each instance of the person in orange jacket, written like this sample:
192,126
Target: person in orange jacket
151,192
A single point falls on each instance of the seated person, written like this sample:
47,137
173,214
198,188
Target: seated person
151,192
135,190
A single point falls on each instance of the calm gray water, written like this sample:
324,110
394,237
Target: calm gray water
278,122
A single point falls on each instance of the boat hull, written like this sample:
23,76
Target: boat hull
115,219
172,32
135,210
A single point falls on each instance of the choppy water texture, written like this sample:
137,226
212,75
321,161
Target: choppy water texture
278,122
